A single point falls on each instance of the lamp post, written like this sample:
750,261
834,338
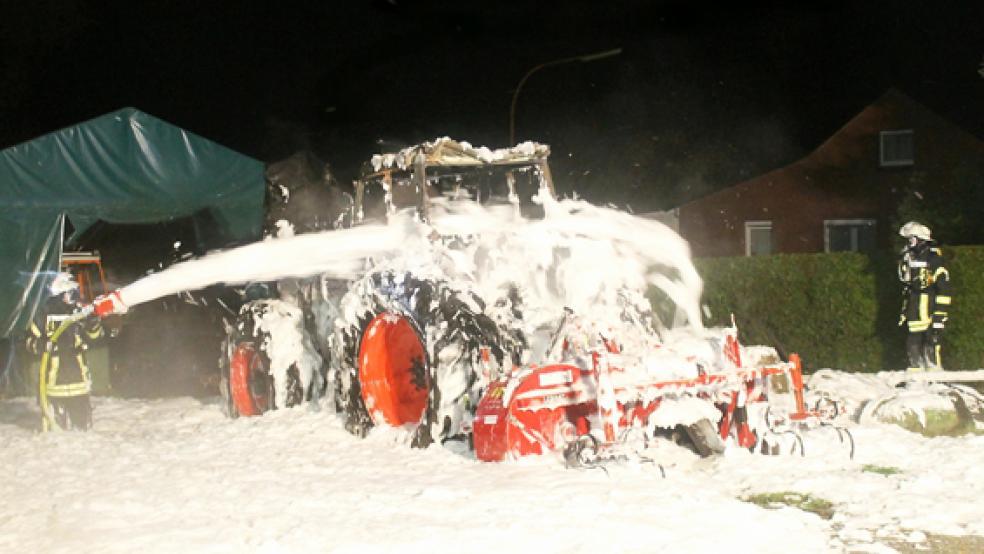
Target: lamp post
585,58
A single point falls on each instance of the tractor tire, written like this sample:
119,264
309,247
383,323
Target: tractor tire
411,356
228,408
704,436
252,389
250,384
247,386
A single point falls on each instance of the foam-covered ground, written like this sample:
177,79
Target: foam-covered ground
177,476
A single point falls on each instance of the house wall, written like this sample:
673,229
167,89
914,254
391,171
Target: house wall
716,226
840,180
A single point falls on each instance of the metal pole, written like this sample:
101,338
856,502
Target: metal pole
585,58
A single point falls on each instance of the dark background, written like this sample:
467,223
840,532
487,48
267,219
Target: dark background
701,96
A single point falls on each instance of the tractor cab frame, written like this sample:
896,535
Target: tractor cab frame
446,168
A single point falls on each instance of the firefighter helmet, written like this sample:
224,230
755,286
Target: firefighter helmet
915,229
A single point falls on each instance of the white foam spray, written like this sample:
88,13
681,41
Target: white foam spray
341,253
578,256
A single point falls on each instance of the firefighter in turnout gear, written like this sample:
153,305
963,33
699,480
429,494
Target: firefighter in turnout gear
66,381
926,297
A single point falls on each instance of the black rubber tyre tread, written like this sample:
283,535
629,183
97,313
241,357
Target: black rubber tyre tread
427,305
244,330
705,438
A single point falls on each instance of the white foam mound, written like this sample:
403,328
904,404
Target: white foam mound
683,410
286,344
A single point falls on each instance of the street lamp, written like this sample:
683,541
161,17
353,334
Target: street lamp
585,58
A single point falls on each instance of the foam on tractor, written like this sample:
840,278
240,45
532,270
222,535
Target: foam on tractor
591,414
392,371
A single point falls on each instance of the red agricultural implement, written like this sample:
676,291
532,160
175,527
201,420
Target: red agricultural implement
591,412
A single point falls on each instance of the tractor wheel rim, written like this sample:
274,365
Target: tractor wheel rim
244,368
393,370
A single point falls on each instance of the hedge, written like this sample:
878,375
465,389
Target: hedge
840,310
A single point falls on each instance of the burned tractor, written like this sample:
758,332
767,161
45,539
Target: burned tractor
406,180
416,345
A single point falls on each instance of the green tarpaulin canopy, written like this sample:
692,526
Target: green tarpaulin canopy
123,167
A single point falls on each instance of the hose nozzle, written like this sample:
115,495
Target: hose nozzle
109,304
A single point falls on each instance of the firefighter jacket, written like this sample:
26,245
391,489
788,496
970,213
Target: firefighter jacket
68,374
927,283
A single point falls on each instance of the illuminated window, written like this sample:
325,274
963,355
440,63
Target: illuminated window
758,238
849,235
896,148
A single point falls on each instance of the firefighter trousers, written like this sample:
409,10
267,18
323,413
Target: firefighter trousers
923,349
72,412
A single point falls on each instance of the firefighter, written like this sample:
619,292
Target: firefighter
67,378
926,297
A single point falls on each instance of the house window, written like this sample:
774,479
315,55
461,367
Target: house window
758,238
896,148
849,235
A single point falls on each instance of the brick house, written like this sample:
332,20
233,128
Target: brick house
843,195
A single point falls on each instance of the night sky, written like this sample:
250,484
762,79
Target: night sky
699,98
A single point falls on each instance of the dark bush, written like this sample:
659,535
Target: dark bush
840,310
